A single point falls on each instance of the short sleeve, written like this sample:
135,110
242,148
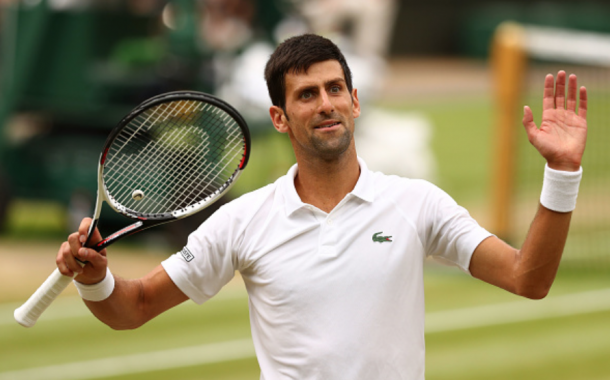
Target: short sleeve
206,263
452,234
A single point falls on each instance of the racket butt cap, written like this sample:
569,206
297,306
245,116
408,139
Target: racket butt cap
22,319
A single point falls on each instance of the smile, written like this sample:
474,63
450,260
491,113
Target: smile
328,125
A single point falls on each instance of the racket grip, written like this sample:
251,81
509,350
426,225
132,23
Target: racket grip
30,311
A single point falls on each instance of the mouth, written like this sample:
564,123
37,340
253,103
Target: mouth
328,125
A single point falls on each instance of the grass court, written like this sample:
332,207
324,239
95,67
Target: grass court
474,331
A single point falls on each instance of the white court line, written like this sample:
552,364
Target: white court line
138,363
450,320
518,311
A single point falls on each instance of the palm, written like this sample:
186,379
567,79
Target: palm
562,135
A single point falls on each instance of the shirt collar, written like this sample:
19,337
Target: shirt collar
364,188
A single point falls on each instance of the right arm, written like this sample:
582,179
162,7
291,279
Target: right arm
132,302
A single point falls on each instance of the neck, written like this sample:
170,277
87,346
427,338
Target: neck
324,183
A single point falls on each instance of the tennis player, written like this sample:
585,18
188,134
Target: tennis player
331,253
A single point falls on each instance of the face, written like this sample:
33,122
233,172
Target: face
320,111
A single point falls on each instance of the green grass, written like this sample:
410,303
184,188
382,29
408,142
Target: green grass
84,338
462,131
36,219
235,370
564,348
270,158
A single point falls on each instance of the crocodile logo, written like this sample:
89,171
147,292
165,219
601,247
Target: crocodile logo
381,239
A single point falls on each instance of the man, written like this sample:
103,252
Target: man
332,254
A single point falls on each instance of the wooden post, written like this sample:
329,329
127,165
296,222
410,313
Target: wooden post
508,61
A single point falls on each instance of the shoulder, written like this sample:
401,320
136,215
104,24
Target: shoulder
254,205
416,199
249,203
396,186
226,227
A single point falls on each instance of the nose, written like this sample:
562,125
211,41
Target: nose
325,104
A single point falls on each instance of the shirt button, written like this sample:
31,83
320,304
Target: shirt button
329,222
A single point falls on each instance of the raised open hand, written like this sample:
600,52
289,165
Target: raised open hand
562,135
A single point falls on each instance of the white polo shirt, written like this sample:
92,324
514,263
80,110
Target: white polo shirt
337,295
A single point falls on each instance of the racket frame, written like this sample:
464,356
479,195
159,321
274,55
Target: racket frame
145,221
30,311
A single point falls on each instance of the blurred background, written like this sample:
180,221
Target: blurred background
442,85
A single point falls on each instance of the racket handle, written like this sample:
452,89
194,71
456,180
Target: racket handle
30,311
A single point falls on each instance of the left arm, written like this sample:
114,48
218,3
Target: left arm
530,271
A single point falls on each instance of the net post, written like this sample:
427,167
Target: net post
508,61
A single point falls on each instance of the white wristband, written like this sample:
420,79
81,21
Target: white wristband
97,292
560,189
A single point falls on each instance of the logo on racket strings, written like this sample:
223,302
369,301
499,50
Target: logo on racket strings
186,253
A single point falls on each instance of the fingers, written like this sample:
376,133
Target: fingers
60,260
572,85
66,257
83,230
555,94
582,106
528,122
574,94
548,99
72,251
560,90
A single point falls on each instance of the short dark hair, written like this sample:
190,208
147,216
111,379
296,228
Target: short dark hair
296,55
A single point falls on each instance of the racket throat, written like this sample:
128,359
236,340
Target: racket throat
129,230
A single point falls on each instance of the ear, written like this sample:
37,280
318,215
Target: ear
278,118
356,102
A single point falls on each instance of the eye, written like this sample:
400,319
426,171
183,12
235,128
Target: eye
335,89
306,95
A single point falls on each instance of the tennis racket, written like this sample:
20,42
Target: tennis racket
171,157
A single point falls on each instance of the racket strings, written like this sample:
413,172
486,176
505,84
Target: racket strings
195,176
126,172
206,174
136,141
190,173
156,157
161,163
177,154
136,134
192,182
162,143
